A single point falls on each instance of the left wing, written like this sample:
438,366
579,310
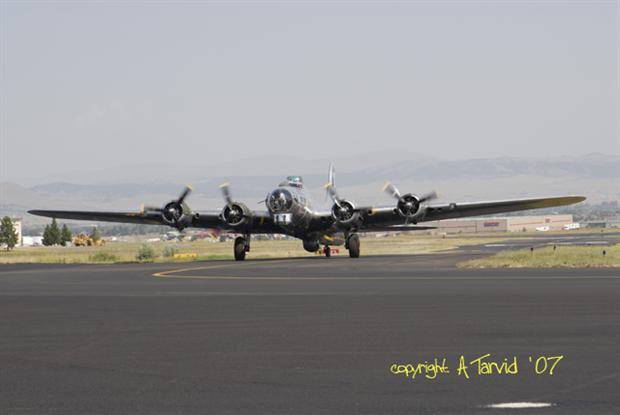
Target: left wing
388,218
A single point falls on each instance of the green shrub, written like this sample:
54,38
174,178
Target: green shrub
146,253
170,251
102,257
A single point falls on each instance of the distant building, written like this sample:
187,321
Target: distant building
597,224
32,240
502,224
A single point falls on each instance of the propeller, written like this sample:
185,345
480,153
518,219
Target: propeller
391,190
408,204
333,194
233,213
173,211
330,186
175,203
343,210
225,188
428,196
188,189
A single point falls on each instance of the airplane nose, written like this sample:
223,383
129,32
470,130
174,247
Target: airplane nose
280,200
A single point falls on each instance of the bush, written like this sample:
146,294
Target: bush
169,251
146,253
95,235
102,257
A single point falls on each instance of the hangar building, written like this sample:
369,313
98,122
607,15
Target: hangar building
502,224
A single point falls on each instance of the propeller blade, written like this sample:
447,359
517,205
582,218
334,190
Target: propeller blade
429,196
331,191
331,180
184,194
225,187
391,190
331,175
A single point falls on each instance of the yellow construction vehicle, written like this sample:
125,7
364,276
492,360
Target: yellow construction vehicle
82,239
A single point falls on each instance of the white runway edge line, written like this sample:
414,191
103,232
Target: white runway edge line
519,405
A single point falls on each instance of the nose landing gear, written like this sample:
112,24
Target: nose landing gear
327,251
242,245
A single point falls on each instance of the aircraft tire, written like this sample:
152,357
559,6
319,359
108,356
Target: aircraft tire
239,248
354,246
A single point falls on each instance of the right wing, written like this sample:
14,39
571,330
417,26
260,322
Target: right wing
460,210
259,222
121,217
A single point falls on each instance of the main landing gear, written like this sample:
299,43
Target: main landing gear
242,245
353,245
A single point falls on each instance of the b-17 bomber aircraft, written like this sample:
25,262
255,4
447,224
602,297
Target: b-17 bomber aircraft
289,211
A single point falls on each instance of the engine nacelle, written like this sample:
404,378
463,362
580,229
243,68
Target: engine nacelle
345,212
235,214
408,205
177,214
311,246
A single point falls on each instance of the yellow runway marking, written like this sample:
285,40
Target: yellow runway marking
166,274
173,274
245,278
91,268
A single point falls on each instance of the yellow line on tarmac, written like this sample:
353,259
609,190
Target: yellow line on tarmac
167,274
245,278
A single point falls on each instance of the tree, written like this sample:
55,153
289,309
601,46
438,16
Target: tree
95,235
8,234
51,234
65,235
46,236
55,232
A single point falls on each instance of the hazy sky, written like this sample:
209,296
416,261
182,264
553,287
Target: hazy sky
113,83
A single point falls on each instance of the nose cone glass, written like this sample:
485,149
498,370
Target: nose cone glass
280,200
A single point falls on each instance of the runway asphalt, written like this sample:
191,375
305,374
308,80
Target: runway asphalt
306,336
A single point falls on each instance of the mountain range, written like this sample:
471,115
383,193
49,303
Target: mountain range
596,176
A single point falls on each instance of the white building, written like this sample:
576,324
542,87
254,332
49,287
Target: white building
502,224
32,240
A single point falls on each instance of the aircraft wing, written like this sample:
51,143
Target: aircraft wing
259,222
396,228
382,216
121,217
460,210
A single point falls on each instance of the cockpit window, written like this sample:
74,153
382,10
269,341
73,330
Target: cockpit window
295,181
